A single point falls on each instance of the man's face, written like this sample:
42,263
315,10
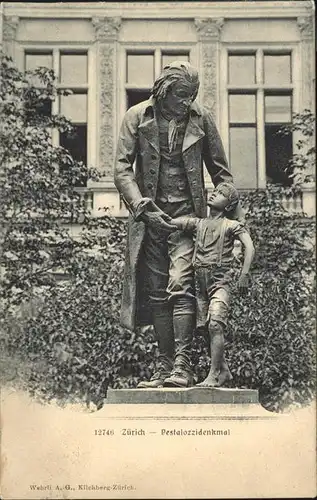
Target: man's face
179,98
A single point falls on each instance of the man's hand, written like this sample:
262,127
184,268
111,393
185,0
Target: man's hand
244,283
179,222
153,216
159,221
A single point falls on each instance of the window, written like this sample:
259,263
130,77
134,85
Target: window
71,69
33,61
260,101
242,115
143,67
278,148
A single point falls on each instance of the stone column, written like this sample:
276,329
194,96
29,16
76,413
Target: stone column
106,33
10,26
306,28
209,31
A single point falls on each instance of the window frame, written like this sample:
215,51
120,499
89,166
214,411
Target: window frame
260,89
90,87
157,49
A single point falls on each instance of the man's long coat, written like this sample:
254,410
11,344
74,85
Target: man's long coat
139,142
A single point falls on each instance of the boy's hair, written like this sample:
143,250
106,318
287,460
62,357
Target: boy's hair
231,193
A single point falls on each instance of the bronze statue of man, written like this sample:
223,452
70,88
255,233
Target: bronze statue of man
168,136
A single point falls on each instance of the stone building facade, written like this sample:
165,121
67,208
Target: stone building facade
255,58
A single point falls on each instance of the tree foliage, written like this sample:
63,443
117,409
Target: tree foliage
303,161
69,330
38,196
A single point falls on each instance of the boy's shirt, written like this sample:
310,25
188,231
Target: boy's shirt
214,239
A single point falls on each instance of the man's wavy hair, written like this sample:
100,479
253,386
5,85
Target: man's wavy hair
173,73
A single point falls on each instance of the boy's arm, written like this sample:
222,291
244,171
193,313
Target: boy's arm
249,251
185,223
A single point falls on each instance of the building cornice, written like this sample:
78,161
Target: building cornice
161,10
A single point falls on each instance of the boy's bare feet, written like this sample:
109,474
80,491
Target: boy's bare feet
224,376
217,379
225,373
210,381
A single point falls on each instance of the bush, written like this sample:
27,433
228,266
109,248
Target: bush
38,196
272,332
75,339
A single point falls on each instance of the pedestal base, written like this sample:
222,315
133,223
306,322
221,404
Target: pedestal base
194,403
191,395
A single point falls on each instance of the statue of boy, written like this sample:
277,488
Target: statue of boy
168,137
212,261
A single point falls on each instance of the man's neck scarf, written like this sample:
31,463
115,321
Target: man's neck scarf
171,74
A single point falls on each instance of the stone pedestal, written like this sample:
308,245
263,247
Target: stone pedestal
191,395
194,403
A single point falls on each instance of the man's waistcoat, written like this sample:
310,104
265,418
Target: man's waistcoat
173,184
